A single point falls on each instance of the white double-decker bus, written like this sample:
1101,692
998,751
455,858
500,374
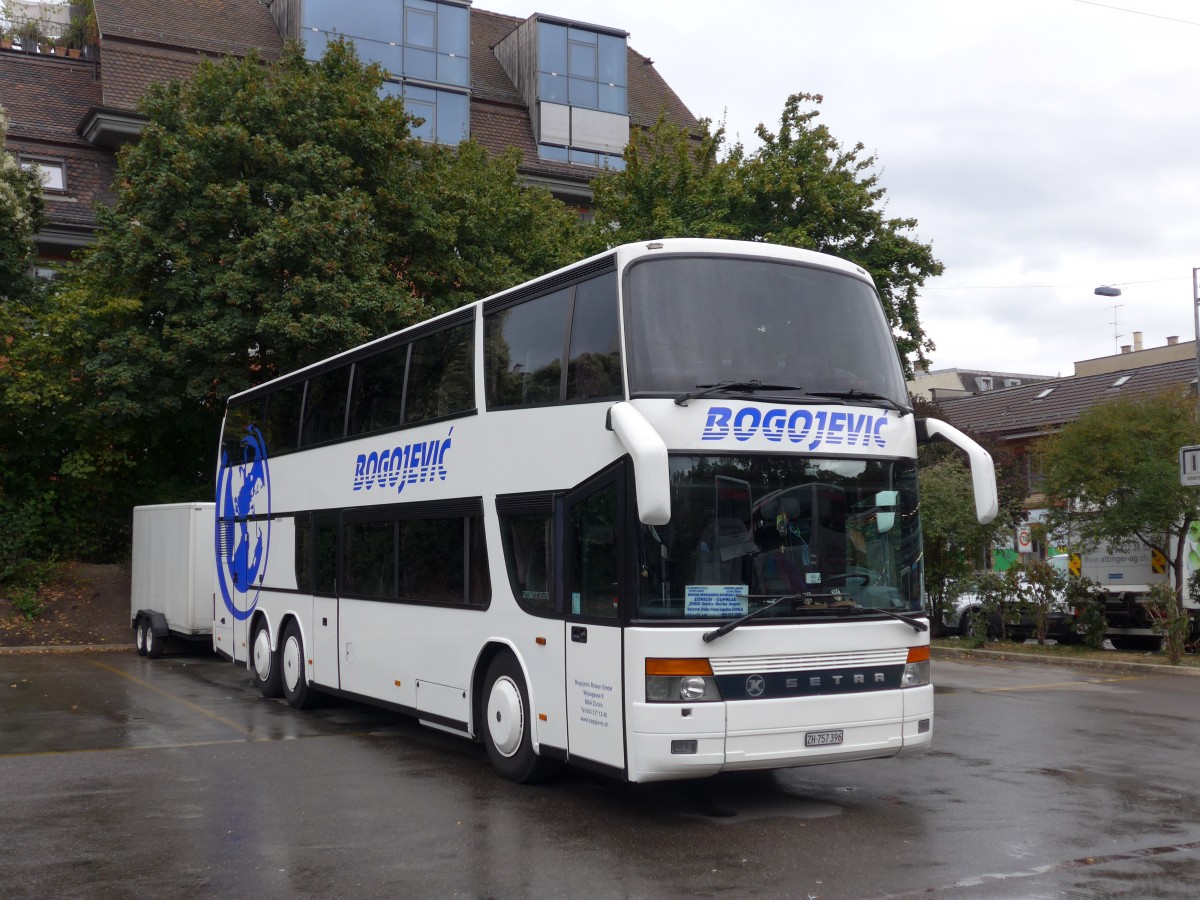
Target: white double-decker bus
653,514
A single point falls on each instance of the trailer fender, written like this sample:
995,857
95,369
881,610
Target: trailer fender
157,620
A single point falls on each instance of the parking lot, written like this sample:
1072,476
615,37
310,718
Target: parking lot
121,776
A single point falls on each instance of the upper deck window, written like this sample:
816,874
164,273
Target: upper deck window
525,345
703,320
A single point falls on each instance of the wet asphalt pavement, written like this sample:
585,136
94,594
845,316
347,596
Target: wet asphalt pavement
123,777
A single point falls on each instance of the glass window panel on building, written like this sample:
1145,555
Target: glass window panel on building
453,112
552,48
420,28
453,70
389,56
420,63
454,30
611,51
378,19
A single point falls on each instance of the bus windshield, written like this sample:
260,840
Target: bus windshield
747,530
698,321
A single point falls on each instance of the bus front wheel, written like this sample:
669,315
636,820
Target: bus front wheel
506,725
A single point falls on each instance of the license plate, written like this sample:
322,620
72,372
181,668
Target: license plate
823,738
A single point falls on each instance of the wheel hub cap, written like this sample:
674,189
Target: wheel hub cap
506,716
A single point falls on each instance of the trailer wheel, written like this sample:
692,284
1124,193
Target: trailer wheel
153,643
506,724
265,663
291,659
139,635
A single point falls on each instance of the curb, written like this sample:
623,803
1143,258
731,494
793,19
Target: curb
1101,665
67,648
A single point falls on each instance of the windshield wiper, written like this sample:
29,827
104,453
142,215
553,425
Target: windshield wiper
842,604
703,390
729,626
856,394
855,609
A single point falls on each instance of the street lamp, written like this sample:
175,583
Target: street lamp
1196,315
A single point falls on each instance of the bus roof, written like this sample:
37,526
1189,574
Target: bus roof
623,255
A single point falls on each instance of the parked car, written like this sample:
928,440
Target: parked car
1062,617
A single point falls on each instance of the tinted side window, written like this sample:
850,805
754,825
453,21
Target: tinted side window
325,407
282,429
378,391
325,546
370,551
439,376
594,367
237,420
432,560
303,553
524,348
527,553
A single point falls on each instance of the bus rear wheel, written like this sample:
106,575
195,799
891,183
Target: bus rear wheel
291,665
506,724
265,662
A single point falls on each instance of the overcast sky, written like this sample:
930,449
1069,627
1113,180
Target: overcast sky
1045,147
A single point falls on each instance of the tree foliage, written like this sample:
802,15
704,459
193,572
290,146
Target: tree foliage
21,215
1112,475
801,188
269,216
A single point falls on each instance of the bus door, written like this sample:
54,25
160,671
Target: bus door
591,575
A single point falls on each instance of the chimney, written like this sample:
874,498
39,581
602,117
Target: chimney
1137,341
1172,340
1125,348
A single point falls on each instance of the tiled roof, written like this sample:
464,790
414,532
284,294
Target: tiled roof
45,98
131,68
649,95
213,26
1029,409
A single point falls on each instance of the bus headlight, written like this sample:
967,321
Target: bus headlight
916,669
680,681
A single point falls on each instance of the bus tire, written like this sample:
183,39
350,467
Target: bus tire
153,643
291,668
139,635
265,662
507,724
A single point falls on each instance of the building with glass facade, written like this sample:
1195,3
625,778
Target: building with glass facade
565,94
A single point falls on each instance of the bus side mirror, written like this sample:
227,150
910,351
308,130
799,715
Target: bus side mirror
651,479
983,470
885,510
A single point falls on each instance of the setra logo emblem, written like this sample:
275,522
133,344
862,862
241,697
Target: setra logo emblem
755,685
243,537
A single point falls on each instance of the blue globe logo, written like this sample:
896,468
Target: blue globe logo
243,538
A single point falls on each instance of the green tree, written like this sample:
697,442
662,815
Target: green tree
21,215
269,216
955,544
1112,475
801,188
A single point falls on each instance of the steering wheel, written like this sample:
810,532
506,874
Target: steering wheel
853,574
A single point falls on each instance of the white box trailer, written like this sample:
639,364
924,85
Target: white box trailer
173,577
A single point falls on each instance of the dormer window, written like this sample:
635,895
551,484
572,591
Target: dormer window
574,78
54,179
985,383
